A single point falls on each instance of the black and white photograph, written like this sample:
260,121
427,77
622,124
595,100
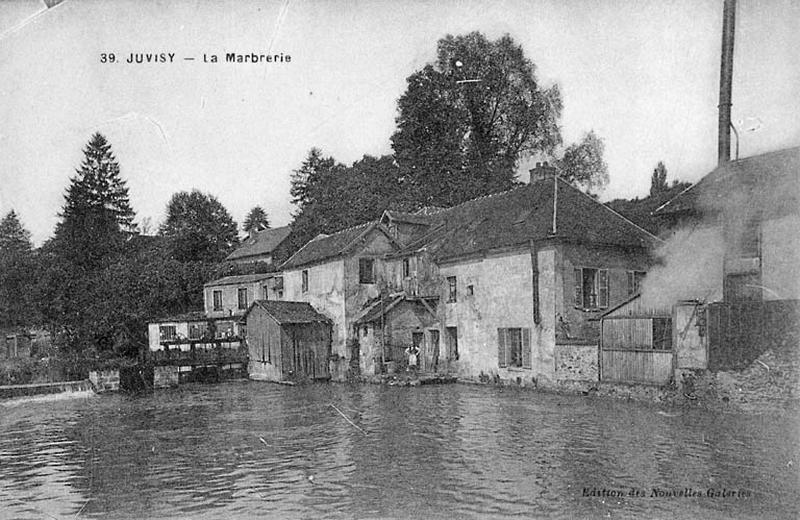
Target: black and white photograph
372,259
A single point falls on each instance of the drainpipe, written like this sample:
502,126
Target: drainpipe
537,318
555,201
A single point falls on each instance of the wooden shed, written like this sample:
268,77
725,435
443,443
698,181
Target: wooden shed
636,343
287,341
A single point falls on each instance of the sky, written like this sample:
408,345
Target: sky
644,75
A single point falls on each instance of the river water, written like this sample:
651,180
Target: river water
247,449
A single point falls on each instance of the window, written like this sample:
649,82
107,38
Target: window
635,282
451,285
366,270
406,267
452,343
242,330
217,300
225,329
265,292
304,281
242,294
196,330
750,240
591,288
662,334
470,290
167,332
514,347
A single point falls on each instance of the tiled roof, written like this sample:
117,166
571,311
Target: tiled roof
774,174
261,243
239,279
506,219
289,312
409,218
515,217
324,247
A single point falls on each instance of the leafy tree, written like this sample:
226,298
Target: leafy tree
97,217
331,196
658,180
198,228
256,220
465,120
582,164
17,272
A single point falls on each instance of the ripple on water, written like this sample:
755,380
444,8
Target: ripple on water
244,449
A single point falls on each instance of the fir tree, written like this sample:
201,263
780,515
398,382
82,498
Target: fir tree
14,238
658,180
256,220
97,216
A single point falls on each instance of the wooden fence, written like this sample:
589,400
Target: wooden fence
636,349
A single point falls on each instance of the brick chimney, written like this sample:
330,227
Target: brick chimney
542,171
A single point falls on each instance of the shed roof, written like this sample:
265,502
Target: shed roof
242,278
261,243
289,312
773,176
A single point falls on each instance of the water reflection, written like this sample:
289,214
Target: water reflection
242,449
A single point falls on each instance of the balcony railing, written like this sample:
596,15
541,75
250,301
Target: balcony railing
200,352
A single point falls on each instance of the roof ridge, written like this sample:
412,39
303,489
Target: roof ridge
482,197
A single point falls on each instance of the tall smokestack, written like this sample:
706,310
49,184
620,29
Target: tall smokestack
725,80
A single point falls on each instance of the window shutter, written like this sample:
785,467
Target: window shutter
578,288
526,348
602,291
501,348
631,283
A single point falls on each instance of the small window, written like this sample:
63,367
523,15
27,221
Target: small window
635,282
406,267
197,330
304,281
452,294
366,270
242,294
514,347
591,288
242,330
225,329
470,290
265,293
167,332
217,300
452,343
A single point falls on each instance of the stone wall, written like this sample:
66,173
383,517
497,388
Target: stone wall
576,362
104,380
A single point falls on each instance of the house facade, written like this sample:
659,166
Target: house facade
486,289
231,296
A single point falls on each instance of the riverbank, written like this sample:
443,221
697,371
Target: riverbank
769,384
13,391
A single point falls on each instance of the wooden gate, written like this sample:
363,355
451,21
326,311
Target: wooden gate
636,349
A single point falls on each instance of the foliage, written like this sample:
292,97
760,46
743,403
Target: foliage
256,220
466,120
331,196
658,181
198,228
17,272
582,164
97,217
639,211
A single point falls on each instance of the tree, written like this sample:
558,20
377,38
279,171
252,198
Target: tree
582,164
658,180
331,196
198,228
256,220
466,120
97,217
14,239
16,272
